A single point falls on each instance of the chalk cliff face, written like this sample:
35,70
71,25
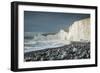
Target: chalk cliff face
80,30
62,35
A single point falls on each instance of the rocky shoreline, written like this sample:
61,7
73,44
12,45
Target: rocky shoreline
75,50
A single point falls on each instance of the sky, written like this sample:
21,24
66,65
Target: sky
49,21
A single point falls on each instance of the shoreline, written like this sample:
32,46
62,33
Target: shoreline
75,50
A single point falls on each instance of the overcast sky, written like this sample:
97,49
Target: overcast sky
49,21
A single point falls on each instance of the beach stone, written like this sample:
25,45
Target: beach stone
73,51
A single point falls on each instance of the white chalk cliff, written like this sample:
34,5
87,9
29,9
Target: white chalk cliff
80,30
